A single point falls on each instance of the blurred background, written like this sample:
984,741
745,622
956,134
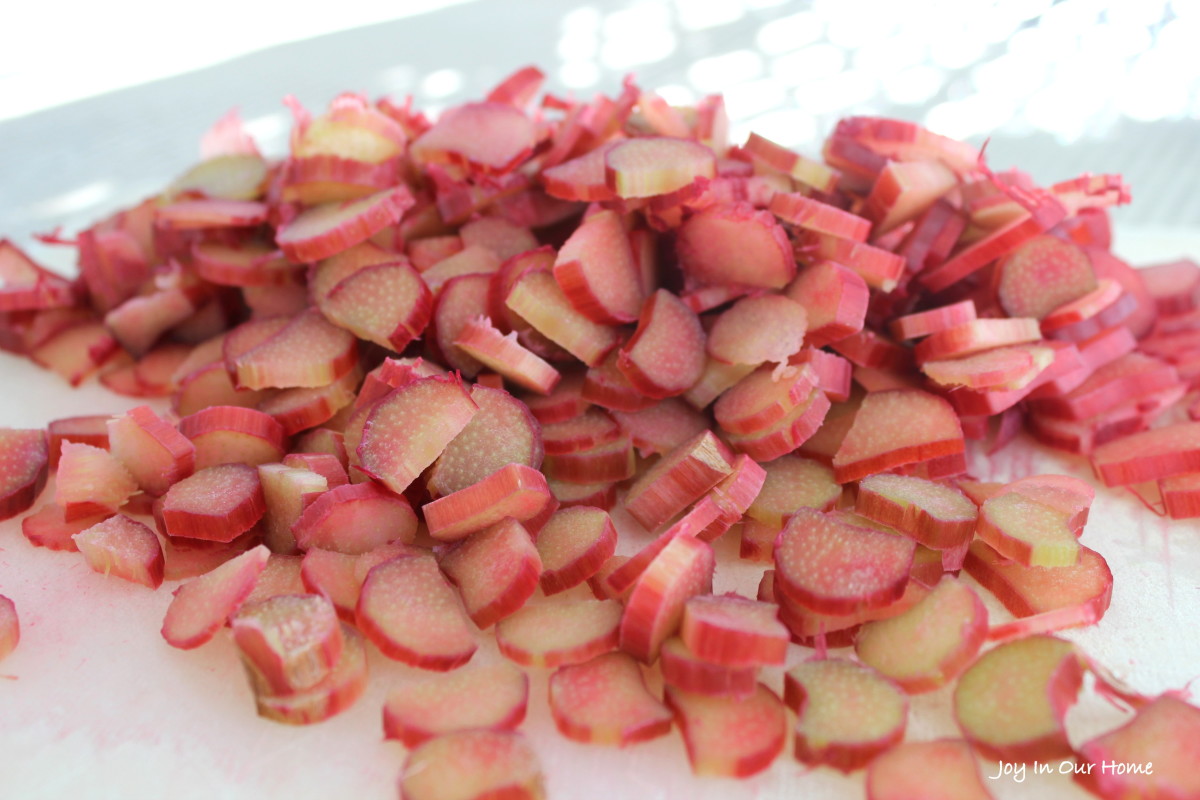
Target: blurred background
102,103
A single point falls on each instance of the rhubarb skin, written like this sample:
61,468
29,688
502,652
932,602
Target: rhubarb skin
24,460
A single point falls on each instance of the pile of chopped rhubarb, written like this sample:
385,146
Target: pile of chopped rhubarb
427,378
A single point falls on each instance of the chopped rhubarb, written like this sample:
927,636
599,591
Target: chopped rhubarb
89,481
792,483
23,469
654,609
355,519
733,631
835,567
513,491
537,298
48,527
231,434
1011,702
847,713
153,450
605,701
596,270
388,304
125,548
943,769
489,137
735,245
307,351
338,691
473,765
504,354
678,479
937,516
895,428
492,697
929,644
413,615
655,165
560,632
665,355
200,607
496,571
409,428
729,736
290,643
757,329
502,432
216,504
329,228
1044,599
1152,755
573,544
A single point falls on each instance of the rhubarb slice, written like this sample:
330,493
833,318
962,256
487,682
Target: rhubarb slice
665,355
289,643
338,691
728,736
327,229
125,548
355,519
496,571
733,631
929,644
216,504
846,713
475,698
23,469
605,701
735,245
937,516
560,632
834,567
895,428
414,616
514,491
678,479
656,165
654,609
502,432
473,765
200,607
596,270
1011,702
573,544
943,769
408,429
1152,755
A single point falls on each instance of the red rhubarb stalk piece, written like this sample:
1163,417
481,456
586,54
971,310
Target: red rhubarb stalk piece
496,571
1042,274
473,764
934,320
735,245
1044,599
23,469
559,632
605,701
288,642
125,548
762,328
573,544
409,428
413,615
515,491
937,516
895,428
656,165
492,697
216,504
654,609
834,297
931,643
847,713
792,483
537,299
729,736
1152,755
505,355
338,691
678,479
733,631
388,304
355,519
307,351
48,527
665,355
489,137
90,481
329,228
92,429
200,607
836,567
596,270
943,769
1011,702
502,432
